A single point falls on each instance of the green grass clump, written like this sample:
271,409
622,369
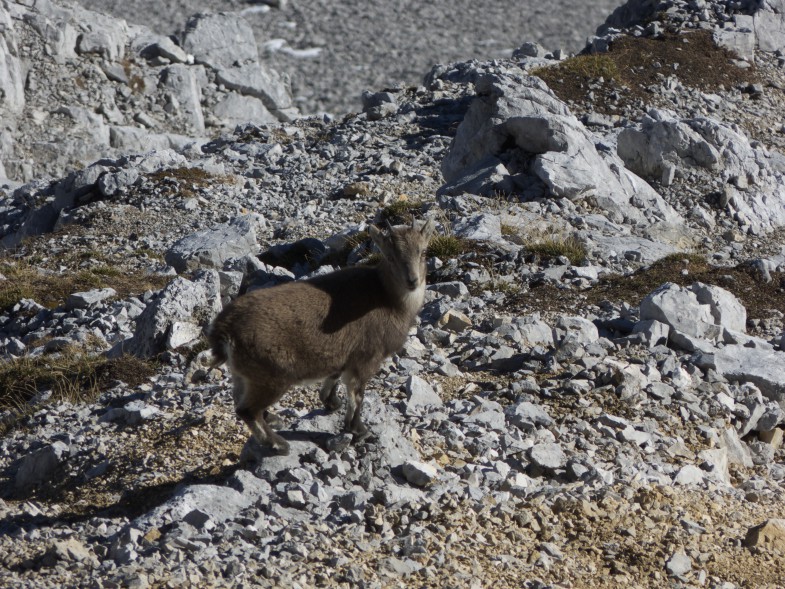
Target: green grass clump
553,247
447,246
401,210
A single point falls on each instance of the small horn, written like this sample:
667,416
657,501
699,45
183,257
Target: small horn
389,226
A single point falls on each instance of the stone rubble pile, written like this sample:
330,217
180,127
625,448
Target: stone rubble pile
513,442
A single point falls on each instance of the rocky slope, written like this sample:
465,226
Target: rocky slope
333,51
592,397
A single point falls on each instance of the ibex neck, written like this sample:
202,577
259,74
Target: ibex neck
407,301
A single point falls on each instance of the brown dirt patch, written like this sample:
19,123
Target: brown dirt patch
761,299
635,68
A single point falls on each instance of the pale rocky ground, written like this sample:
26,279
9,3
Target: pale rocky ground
333,51
549,423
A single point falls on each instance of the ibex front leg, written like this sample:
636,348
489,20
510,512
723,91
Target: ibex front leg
354,405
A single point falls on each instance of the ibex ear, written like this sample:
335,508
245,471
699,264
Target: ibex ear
378,238
428,228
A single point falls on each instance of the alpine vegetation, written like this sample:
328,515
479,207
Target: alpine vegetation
338,326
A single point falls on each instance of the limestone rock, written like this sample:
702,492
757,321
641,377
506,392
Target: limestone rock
84,300
455,321
764,368
225,42
677,307
218,503
548,456
725,308
706,143
40,466
678,564
528,416
645,151
420,394
419,473
184,96
575,330
769,23
212,247
196,302
484,227
236,109
11,77
513,111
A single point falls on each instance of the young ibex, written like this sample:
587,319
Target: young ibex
340,325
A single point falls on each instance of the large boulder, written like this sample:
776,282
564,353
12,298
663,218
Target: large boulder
225,43
699,311
12,96
210,502
236,109
515,120
764,368
211,247
752,178
177,317
185,96
661,141
769,23
40,466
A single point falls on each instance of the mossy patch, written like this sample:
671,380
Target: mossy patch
761,299
185,182
583,67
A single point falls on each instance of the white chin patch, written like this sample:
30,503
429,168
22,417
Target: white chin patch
414,298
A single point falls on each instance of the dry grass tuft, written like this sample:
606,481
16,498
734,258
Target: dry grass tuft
51,289
447,246
75,374
401,210
554,247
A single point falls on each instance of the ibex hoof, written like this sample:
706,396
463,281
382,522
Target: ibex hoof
361,434
280,447
281,450
254,452
332,403
274,420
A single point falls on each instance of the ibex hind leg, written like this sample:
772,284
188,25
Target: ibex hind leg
250,407
329,393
